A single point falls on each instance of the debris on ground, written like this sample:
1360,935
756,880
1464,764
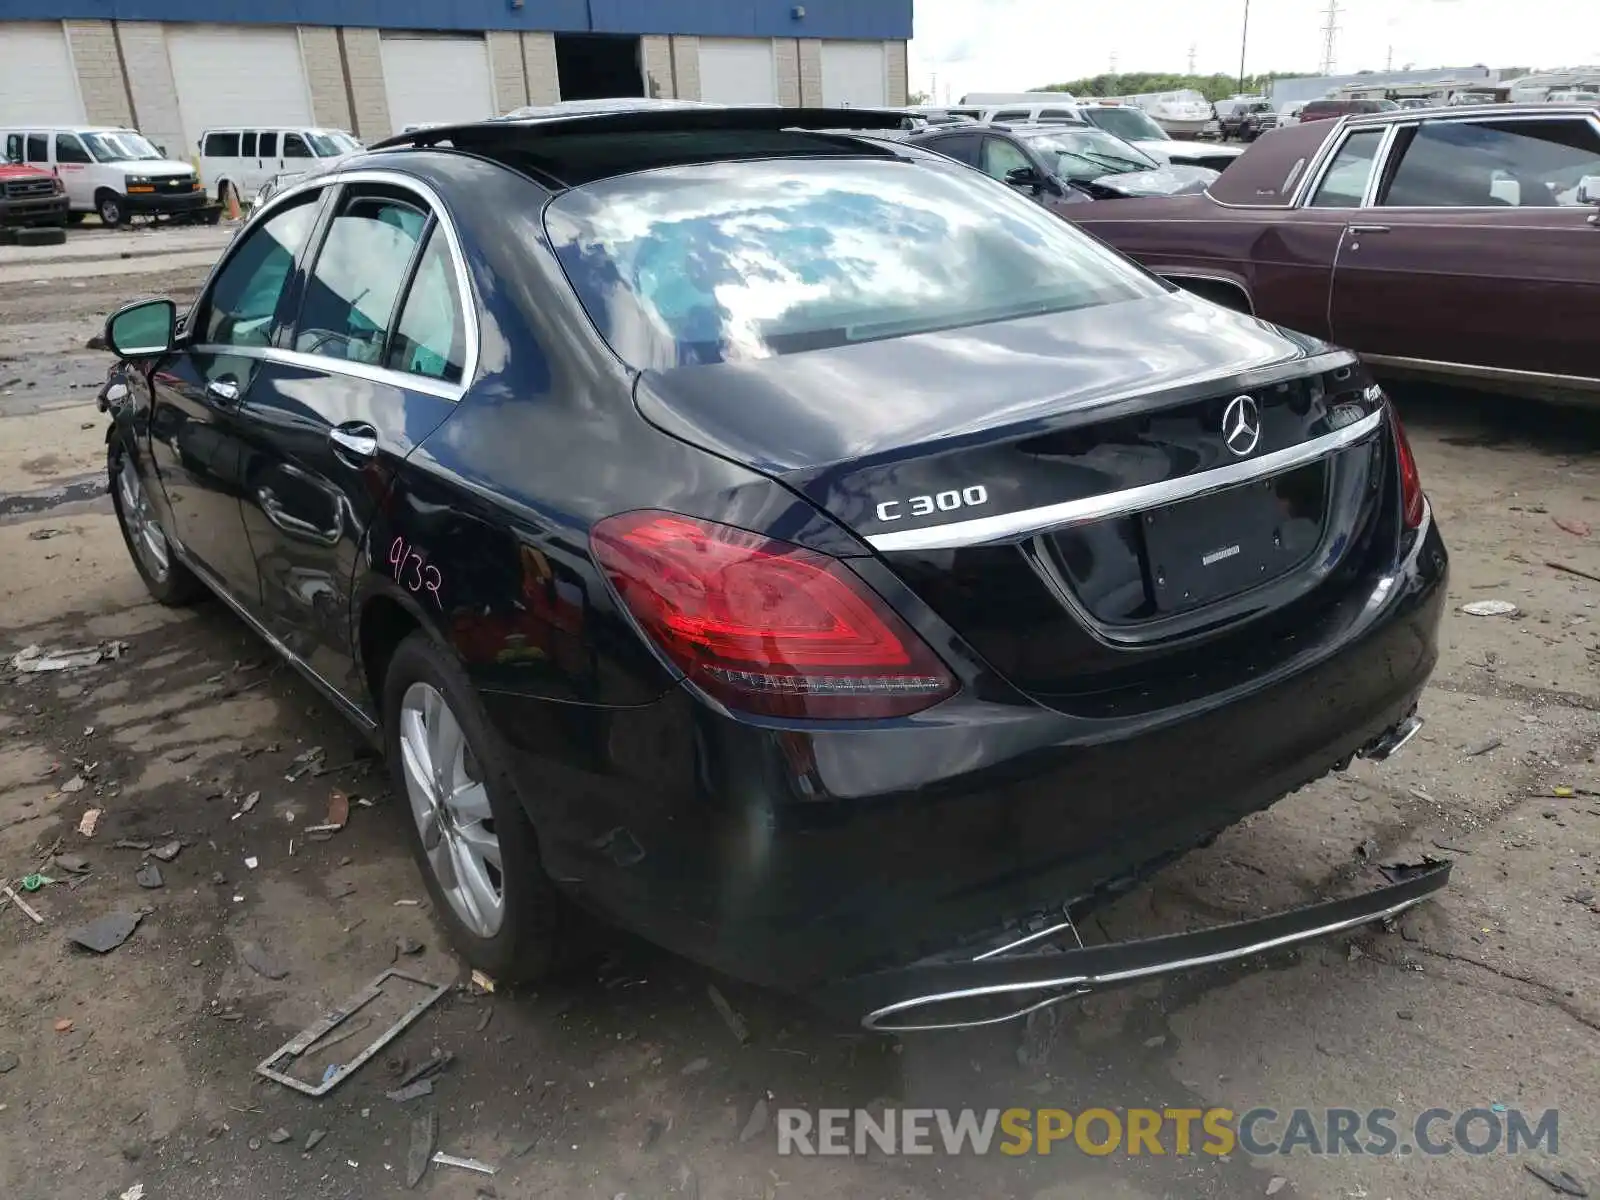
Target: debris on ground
695,1067
1571,525
262,963
479,980
149,876
76,784
415,1091
276,1065
75,864
1276,1184
338,810
278,1136
23,906
1484,747
36,659
1368,851
8,1062
735,1023
136,1192
130,844
252,862
308,761
44,535
1571,570
426,1070
406,945
483,1021
1564,1182
105,934
250,802
89,822
424,1132
756,1123
313,1140
1490,608
441,1159
167,852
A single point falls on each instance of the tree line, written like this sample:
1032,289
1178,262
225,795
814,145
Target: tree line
1128,83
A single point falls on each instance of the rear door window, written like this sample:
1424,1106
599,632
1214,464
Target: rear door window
38,148
267,147
963,147
222,145
1344,183
1497,164
360,269
247,145
430,338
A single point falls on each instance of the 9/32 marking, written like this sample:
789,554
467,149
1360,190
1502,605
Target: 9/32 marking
413,571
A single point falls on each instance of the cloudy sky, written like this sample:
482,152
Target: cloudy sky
1014,45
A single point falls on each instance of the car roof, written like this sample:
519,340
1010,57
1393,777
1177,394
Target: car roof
1455,111
24,128
247,128
571,150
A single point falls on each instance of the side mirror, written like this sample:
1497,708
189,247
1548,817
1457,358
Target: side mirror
1589,189
1025,177
143,329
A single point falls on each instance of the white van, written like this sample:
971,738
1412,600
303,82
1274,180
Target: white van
108,170
1061,110
242,158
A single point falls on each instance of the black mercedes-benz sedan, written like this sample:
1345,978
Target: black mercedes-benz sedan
796,547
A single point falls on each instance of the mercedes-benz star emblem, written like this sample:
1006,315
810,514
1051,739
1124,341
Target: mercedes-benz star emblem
1241,425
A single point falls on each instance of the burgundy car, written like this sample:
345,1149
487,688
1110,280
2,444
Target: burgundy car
1458,245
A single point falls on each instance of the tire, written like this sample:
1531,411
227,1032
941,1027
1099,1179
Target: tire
76,218
113,212
525,944
169,582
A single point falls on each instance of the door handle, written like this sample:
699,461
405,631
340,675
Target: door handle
356,440
1369,229
223,391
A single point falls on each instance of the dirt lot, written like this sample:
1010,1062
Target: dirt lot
134,1070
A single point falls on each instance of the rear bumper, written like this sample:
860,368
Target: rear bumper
798,856
1021,977
44,210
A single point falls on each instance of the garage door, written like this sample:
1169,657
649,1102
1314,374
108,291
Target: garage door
436,79
237,75
737,71
854,73
38,85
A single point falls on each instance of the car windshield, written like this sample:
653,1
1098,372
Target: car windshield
120,147
1129,124
731,262
325,145
1089,153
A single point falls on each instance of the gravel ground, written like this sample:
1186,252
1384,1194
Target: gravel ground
135,1069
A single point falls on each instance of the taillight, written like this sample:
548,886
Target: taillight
1412,501
765,626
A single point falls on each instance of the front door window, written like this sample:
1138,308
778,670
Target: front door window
243,304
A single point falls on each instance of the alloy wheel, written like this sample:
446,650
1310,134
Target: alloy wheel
144,529
451,808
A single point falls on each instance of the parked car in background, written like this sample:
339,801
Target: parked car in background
1327,110
1136,126
115,173
810,618
241,159
1247,122
1020,114
1062,166
1289,114
1449,243
30,196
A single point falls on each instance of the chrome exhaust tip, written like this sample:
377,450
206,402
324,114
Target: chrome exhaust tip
1387,744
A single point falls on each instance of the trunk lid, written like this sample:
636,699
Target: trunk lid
1060,488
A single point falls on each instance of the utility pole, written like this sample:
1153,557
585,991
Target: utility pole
934,93
1191,57
1244,40
1113,69
1330,33
1388,61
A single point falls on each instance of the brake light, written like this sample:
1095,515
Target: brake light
1412,501
766,626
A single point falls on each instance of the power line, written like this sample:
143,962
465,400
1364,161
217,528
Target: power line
1330,33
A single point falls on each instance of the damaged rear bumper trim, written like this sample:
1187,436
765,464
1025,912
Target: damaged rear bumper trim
929,995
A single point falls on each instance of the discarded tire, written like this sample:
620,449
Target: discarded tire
52,235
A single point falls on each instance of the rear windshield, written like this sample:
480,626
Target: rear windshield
729,262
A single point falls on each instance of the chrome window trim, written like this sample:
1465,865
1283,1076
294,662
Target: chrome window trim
1052,517
338,366
469,308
